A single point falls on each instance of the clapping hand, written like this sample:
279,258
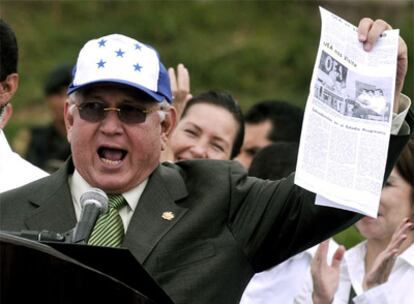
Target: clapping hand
325,277
180,87
384,262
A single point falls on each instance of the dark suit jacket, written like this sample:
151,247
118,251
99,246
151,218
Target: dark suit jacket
226,226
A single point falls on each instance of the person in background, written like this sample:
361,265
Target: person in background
48,147
195,136
275,161
267,122
381,268
282,283
14,170
211,127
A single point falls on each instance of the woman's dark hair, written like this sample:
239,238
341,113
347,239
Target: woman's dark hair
405,166
226,101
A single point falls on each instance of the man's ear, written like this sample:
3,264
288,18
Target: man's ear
8,111
168,122
68,116
8,87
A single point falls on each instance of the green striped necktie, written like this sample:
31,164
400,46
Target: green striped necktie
109,229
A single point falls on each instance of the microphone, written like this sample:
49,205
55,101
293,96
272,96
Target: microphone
40,236
94,202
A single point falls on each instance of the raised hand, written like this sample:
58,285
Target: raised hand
325,277
368,33
384,262
180,87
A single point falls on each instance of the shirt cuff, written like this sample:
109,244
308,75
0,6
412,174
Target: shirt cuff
398,125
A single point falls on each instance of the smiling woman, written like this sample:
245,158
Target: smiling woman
211,127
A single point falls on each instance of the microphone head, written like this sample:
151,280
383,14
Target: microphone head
97,197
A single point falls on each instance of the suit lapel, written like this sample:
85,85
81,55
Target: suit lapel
154,216
55,210
156,212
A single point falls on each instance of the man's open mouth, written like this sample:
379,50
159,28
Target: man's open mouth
112,156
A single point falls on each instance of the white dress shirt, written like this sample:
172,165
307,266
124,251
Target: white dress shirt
14,170
78,186
399,289
283,282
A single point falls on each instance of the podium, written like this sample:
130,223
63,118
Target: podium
32,272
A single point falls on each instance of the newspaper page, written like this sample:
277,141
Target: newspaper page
347,121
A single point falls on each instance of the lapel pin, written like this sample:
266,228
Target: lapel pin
168,215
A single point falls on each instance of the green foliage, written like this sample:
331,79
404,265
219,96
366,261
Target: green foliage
349,237
254,49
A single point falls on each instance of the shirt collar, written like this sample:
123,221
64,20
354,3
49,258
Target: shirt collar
79,185
4,144
408,255
354,262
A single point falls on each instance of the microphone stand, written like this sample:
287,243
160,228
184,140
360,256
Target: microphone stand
42,236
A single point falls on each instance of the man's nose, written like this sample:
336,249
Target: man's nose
111,122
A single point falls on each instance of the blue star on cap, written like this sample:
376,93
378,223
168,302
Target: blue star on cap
137,67
119,53
101,64
101,42
137,46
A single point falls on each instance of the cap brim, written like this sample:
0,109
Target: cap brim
157,97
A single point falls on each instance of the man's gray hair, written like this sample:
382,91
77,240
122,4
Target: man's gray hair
164,107
74,97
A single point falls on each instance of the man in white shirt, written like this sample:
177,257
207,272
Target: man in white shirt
14,170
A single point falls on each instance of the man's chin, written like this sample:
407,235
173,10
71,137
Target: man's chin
110,183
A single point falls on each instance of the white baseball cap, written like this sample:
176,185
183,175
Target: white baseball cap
120,59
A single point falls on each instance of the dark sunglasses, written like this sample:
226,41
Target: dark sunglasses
94,111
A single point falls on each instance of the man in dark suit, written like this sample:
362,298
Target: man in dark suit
201,228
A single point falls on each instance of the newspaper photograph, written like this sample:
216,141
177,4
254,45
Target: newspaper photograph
347,121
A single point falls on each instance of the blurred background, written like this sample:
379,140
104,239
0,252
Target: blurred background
254,49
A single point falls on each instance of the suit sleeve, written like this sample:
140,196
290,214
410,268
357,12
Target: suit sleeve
272,221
